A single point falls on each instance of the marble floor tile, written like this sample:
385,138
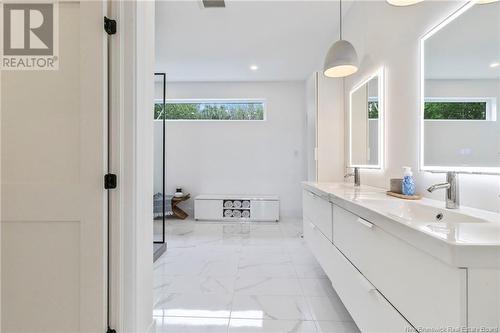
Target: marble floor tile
197,253
317,287
243,277
328,308
261,241
199,284
199,266
302,256
267,286
263,250
266,231
271,326
310,271
295,245
336,327
292,232
260,257
194,305
191,325
283,270
270,307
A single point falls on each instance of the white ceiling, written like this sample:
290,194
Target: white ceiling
286,39
465,48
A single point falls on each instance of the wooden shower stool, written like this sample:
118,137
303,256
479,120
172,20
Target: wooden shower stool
177,212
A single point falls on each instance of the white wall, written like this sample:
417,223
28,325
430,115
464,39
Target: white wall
254,157
389,36
481,146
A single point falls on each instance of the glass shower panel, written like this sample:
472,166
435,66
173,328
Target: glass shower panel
159,202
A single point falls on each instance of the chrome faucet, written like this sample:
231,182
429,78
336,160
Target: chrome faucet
452,190
356,175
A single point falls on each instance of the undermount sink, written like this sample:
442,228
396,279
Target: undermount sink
417,213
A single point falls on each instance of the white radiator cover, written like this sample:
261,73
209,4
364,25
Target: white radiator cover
220,207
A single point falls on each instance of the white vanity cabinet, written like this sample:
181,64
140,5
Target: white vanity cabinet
427,292
369,309
386,284
318,210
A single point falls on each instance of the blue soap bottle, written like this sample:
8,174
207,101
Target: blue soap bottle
408,185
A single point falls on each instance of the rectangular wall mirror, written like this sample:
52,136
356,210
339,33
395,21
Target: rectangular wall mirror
366,114
460,87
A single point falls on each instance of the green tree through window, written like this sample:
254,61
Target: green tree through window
372,109
211,111
455,110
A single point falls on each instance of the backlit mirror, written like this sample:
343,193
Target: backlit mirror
460,125
366,110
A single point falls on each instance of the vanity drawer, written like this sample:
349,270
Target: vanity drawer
426,291
369,309
319,211
319,245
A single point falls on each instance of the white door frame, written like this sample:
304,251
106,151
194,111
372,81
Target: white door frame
131,147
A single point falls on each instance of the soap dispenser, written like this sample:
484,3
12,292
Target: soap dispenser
408,184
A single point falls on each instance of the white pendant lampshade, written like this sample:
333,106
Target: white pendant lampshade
341,59
402,3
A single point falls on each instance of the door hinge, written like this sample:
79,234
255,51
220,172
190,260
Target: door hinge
110,181
110,330
109,26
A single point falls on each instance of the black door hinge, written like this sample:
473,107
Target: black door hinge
110,330
110,181
109,26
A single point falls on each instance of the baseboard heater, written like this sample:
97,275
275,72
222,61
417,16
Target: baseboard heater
221,207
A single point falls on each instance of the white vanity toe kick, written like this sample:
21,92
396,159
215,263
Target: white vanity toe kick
475,244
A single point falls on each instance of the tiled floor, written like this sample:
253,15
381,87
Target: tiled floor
228,277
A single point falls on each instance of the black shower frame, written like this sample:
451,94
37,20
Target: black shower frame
164,78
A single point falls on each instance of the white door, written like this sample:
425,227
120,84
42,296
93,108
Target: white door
53,139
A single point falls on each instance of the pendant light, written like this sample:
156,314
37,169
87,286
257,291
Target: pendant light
484,2
341,59
402,3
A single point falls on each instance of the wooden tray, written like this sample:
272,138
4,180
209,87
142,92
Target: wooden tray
402,196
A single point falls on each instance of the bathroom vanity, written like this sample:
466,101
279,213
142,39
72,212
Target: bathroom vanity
402,266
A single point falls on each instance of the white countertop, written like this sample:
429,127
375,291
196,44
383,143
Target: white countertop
465,237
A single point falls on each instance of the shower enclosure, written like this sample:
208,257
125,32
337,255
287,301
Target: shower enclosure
160,199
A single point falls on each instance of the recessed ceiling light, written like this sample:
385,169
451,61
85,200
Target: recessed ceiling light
494,64
254,67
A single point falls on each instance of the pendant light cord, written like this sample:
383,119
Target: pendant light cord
340,15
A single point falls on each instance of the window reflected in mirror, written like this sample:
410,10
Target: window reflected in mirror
460,91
